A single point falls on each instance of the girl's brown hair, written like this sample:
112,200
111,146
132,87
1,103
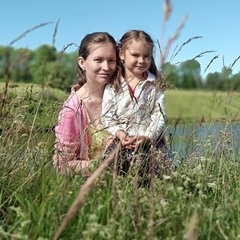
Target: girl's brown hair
139,35
85,49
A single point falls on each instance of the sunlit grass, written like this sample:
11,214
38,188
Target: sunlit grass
202,105
200,199
19,88
34,200
185,105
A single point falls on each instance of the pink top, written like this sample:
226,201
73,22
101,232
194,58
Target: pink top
71,146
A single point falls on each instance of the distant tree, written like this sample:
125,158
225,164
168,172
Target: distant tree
226,76
170,73
64,71
43,66
214,81
190,74
6,55
2,52
234,82
44,58
45,53
21,65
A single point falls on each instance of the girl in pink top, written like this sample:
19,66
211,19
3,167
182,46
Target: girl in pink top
77,132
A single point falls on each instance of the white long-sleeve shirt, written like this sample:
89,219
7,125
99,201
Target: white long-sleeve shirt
142,115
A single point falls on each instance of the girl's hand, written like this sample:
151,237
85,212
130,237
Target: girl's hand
129,142
126,141
142,140
109,140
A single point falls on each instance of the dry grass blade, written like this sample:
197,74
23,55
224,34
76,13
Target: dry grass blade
174,51
171,40
159,46
151,200
202,53
210,63
28,31
70,44
115,171
7,79
234,61
167,9
188,41
191,231
80,199
55,32
221,230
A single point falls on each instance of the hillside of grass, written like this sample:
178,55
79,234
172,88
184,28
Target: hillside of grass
29,107
20,88
181,105
198,105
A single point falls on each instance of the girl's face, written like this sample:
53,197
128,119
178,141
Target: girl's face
100,64
137,58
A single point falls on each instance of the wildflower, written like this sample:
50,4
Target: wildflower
212,185
198,185
202,195
163,202
179,189
166,177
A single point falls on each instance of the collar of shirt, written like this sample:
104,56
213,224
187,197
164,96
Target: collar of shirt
150,78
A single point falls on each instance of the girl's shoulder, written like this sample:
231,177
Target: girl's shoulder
158,82
149,80
150,77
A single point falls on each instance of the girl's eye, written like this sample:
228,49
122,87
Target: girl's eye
148,57
97,60
135,55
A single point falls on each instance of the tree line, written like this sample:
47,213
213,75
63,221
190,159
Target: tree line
48,67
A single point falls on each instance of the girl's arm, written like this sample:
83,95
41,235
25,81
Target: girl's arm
157,124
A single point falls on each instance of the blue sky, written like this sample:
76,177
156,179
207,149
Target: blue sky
216,21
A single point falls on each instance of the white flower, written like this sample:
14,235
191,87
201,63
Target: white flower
212,185
166,177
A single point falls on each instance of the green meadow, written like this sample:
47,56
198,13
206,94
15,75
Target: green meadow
202,105
201,200
183,105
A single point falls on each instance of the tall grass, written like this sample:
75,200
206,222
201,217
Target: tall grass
200,199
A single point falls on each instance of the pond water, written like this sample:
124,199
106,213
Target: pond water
198,139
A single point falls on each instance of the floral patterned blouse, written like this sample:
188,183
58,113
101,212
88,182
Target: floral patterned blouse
138,112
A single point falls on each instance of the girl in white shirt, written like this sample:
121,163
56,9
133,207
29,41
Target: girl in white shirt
133,108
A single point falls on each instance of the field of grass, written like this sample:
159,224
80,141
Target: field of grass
202,105
201,200
184,105
20,88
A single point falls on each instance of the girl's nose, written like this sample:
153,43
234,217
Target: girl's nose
141,59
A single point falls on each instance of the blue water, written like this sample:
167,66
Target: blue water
199,139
